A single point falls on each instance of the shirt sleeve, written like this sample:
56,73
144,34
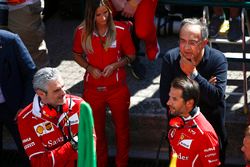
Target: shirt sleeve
211,94
127,45
36,152
27,70
209,152
77,41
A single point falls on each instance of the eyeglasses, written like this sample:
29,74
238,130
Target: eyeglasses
191,43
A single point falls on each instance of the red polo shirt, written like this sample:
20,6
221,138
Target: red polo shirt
100,58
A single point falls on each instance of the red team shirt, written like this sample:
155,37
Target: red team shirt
196,144
100,58
43,137
115,92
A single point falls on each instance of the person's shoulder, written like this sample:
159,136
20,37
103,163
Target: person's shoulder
172,54
175,50
209,136
25,114
214,57
215,52
7,35
74,98
122,25
80,28
203,125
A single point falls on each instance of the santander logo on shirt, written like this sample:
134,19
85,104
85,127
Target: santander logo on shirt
52,143
182,157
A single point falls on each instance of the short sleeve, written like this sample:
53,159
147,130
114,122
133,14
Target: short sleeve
127,44
77,41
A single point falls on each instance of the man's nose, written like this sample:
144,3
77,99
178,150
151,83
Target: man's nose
242,149
168,102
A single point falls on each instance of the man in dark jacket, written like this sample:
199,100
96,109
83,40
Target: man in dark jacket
207,66
16,72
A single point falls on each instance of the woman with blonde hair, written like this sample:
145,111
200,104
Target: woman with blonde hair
104,47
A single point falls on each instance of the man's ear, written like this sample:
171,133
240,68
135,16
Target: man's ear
205,42
190,103
40,93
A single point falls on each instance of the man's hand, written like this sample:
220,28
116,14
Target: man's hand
187,66
119,4
213,80
129,8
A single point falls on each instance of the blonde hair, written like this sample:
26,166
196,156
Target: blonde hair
90,27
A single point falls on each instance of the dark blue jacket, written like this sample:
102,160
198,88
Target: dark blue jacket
16,72
212,97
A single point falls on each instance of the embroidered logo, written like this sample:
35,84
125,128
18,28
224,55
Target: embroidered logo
48,126
74,119
39,130
43,128
186,143
172,133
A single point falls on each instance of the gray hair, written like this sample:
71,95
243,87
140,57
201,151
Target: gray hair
195,21
43,76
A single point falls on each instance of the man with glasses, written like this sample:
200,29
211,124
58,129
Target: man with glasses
205,65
